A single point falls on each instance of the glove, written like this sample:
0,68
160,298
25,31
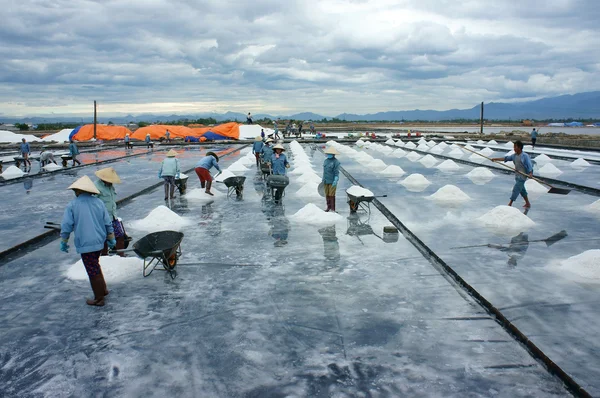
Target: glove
112,243
177,176
287,166
335,180
159,174
64,247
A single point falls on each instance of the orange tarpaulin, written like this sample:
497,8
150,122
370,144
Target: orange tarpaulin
103,132
158,131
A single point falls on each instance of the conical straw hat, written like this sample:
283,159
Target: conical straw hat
258,138
268,140
331,150
85,184
172,153
278,146
109,175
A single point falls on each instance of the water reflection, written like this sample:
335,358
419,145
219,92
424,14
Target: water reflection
516,249
279,224
331,246
28,184
210,219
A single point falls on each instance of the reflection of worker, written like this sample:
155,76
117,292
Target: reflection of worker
87,218
267,150
523,168
169,171
331,246
28,184
280,226
331,175
517,248
73,152
257,149
108,195
203,170
25,151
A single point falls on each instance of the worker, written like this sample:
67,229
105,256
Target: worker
312,127
331,175
249,118
267,151
300,129
106,178
47,157
25,151
169,171
534,134
275,128
87,218
127,141
262,134
73,152
148,141
203,170
523,168
279,161
257,149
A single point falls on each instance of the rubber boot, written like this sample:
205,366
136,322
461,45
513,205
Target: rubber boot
328,203
172,191
166,192
208,185
332,199
98,286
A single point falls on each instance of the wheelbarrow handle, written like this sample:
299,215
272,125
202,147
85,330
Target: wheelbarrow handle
116,251
54,227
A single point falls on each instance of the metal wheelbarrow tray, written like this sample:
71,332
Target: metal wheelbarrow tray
234,184
163,247
181,184
356,202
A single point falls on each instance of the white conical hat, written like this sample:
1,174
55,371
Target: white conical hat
85,184
258,138
172,153
268,140
331,150
109,175
278,146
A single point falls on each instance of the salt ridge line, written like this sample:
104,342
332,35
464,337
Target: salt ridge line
21,249
454,278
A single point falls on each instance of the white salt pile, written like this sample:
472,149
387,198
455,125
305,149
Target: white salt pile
449,194
309,190
9,136
448,165
436,149
431,143
62,136
585,265
456,153
12,172
423,148
399,143
309,177
377,164
422,141
428,161
486,151
532,186
390,142
417,181
550,170
505,219
393,171
359,143
476,158
225,174
509,153
543,158
480,142
52,167
469,147
509,145
114,268
479,172
237,167
492,142
386,150
442,145
580,162
183,176
311,214
594,207
399,153
358,191
302,169
161,219
199,195
410,145
413,156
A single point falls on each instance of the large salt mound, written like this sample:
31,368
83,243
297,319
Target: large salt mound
585,265
449,194
62,136
410,145
580,162
237,167
456,153
428,161
52,167
532,186
311,214
448,165
161,219
413,156
549,169
114,268
415,180
486,151
506,219
358,191
386,150
301,170
309,190
377,164
224,174
541,159
480,172
594,207
12,172
399,153
393,171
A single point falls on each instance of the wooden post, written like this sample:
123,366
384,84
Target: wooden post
481,120
95,120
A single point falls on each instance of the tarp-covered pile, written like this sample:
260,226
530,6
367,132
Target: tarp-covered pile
226,131
103,132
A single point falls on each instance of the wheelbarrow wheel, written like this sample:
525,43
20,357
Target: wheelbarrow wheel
172,261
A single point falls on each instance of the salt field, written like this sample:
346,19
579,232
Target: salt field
289,300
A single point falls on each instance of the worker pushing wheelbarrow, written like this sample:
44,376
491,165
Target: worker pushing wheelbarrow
277,180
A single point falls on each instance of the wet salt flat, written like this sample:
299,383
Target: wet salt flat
268,304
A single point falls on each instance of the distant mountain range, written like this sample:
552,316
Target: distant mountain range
576,106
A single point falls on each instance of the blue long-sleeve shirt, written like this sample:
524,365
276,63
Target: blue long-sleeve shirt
87,217
522,163
278,164
257,146
534,133
73,150
267,152
208,162
331,170
25,148
108,196
169,168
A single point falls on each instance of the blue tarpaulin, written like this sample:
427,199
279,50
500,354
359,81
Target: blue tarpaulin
574,124
209,135
75,131
190,138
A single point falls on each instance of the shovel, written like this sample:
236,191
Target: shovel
555,190
549,241
52,225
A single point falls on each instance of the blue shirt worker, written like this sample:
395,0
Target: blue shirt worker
127,141
203,170
169,171
534,134
86,217
25,151
257,148
107,177
331,176
267,150
74,151
279,161
523,167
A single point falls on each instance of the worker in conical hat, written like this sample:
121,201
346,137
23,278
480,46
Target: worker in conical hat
87,217
203,170
279,161
267,151
169,171
331,175
257,149
107,177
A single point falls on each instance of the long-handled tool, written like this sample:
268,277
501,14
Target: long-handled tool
553,189
52,225
549,241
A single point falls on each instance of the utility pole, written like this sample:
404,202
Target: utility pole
95,120
481,120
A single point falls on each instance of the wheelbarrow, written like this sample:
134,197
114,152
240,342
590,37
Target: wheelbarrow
65,159
363,203
277,184
265,169
235,184
181,183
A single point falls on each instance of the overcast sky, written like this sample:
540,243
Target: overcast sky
282,57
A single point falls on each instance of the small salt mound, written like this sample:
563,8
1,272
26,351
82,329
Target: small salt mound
431,143
311,214
413,156
550,170
12,172
486,151
541,159
390,142
436,150
448,165
399,143
442,145
585,265
480,142
161,219
449,194
224,174
456,153
423,148
393,171
415,179
237,167
359,143
52,167
509,153
422,141
469,147
386,150
309,190
358,191
428,161
532,186
410,145
377,164
594,207
580,162
480,172
505,219
309,177
509,145
114,268
476,158
399,153
492,142
298,170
